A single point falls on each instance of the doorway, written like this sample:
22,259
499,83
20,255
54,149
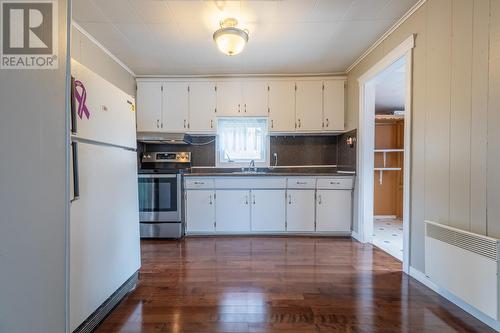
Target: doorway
387,156
388,159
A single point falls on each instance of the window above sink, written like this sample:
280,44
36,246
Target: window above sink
241,141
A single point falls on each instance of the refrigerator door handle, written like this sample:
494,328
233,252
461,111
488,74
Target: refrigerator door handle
76,178
73,108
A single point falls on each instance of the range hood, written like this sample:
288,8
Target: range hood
164,138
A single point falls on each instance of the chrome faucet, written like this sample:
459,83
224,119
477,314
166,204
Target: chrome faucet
251,166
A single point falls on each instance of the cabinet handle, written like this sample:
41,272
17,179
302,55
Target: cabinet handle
301,183
161,125
157,123
184,123
211,199
299,123
245,107
327,122
319,199
211,124
272,123
246,199
199,183
239,109
289,199
254,199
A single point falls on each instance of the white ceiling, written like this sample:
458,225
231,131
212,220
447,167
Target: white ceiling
166,37
390,90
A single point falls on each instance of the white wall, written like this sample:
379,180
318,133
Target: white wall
33,196
87,53
456,115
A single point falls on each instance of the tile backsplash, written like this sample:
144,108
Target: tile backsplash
292,150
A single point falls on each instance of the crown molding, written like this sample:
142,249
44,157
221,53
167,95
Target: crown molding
387,33
102,47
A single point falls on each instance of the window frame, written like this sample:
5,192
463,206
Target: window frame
240,164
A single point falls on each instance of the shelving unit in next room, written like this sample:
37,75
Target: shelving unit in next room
384,167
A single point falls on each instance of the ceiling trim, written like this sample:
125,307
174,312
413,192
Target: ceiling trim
387,33
215,76
102,47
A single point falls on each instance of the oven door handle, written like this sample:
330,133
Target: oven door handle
157,176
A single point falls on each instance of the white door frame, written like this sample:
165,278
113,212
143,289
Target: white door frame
366,145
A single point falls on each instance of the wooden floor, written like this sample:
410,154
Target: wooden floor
279,284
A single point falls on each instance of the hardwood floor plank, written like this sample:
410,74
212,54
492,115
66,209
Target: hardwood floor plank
279,284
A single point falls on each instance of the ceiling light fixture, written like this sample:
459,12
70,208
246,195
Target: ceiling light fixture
229,39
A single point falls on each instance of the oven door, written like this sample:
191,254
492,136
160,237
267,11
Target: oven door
159,198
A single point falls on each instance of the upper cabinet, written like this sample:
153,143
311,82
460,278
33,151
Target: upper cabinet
309,106
242,98
202,107
255,98
175,106
229,99
149,106
305,105
333,105
282,106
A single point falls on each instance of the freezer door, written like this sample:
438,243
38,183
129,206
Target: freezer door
102,111
104,228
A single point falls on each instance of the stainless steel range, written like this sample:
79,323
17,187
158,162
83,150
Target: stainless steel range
160,193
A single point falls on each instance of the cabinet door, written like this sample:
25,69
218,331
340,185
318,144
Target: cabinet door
149,104
333,210
300,210
229,99
333,105
175,106
282,106
202,107
200,211
309,106
232,211
255,95
268,210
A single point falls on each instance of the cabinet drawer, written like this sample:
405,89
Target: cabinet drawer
335,183
199,183
308,183
250,182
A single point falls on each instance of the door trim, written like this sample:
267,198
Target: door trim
366,138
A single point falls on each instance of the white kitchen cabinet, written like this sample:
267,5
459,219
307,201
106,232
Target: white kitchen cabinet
229,97
255,99
309,106
333,211
149,106
232,211
175,106
333,105
282,106
268,210
200,211
202,107
300,209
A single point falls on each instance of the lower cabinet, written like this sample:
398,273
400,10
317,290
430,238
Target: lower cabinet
268,205
333,210
232,212
300,206
268,210
200,211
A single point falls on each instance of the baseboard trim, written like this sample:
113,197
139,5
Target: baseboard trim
91,323
422,278
356,236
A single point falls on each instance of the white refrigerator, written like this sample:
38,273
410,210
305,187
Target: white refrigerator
104,214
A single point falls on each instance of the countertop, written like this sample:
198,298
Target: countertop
278,172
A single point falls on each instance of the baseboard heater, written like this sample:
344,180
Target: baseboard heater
465,264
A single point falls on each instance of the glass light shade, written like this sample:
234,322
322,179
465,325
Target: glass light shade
231,40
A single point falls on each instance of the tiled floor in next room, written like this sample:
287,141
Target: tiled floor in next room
388,235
